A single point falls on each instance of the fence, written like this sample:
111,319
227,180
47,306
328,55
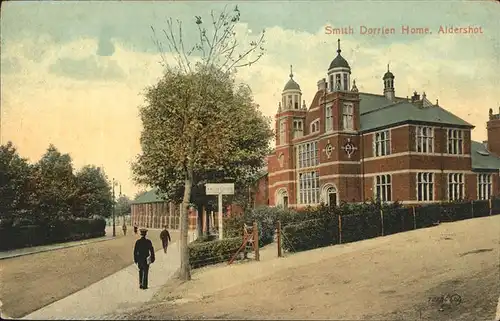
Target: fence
207,250
333,227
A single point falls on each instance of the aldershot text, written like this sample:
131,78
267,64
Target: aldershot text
403,30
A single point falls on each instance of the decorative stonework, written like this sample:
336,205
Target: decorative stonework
328,149
349,148
281,159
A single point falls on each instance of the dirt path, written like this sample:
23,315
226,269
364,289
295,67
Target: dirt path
33,281
384,278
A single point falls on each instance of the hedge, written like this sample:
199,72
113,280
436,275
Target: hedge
19,236
320,226
317,227
213,252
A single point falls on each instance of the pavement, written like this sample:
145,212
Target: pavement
50,247
114,294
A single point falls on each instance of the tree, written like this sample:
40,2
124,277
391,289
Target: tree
53,186
93,193
14,182
123,205
197,122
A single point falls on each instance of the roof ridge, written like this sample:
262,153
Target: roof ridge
450,113
383,107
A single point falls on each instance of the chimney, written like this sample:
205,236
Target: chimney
493,128
322,84
415,97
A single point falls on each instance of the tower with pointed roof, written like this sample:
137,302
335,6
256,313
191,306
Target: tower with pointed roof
339,72
388,79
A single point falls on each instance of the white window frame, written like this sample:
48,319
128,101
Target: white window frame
329,118
314,127
455,141
298,128
425,187
308,155
308,188
348,116
282,131
484,186
382,143
383,187
424,137
456,186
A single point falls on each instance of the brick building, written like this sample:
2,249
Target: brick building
353,146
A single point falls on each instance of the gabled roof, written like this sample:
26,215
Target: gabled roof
377,112
482,159
151,196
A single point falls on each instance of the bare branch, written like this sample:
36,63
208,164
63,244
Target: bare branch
182,47
253,45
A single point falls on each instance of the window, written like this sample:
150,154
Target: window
296,105
297,128
346,84
315,126
425,139
328,118
337,81
455,187
309,188
483,186
383,189
382,143
308,155
455,141
347,116
282,132
425,187
331,83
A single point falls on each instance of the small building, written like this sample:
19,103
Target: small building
150,210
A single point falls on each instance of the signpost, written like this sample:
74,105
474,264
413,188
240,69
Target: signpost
220,189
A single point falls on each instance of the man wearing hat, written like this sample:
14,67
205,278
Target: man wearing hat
165,238
144,255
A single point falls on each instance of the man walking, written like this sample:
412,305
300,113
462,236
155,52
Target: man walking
124,228
144,255
165,238
135,228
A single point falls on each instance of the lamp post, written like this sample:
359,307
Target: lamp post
114,226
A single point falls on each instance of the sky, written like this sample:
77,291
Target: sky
73,73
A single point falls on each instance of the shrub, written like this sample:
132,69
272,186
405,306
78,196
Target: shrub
205,238
60,230
397,220
213,252
360,226
495,206
481,208
266,219
308,235
427,215
233,226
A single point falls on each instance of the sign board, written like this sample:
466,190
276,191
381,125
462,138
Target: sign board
221,188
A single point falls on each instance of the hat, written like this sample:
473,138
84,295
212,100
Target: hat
143,231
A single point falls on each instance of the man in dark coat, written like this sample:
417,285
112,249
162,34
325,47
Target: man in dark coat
165,238
144,255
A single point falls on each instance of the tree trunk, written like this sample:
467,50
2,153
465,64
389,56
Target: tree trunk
185,269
